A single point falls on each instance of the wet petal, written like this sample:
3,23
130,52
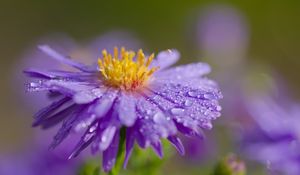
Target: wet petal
158,149
126,110
153,122
110,154
88,96
166,59
45,112
185,71
107,137
49,51
105,103
176,142
129,145
193,107
85,140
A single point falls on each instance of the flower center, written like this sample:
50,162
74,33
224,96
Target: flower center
127,70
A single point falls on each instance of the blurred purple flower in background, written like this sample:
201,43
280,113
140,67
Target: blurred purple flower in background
222,37
37,160
222,40
127,91
273,136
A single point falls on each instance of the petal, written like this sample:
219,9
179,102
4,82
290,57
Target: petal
67,87
153,122
67,125
110,154
88,95
126,110
45,112
107,137
86,139
193,107
176,142
49,51
185,71
105,103
129,145
158,149
166,59
58,117
38,73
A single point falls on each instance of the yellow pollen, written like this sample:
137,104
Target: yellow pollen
120,70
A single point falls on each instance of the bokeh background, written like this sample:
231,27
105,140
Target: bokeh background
272,31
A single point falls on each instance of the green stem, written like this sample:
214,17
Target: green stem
121,153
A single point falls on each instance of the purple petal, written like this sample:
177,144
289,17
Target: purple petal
67,87
49,51
50,120
153,123
158,149
193,107
38,73
58,117
185,71
88,96
129,145
67,125
107,137
126,110
166,58
85,140
176,142
45,112
109,155
105,103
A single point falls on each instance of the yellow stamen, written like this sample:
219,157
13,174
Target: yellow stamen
121,71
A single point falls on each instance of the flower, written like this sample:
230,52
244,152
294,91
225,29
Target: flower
36,161
273,137
222,34
127,90
85,52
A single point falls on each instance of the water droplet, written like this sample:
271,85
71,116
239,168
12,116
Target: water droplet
219,108
188,103
159,118
192,93
103,138
209,96
177,111
207,125
88,136
148,111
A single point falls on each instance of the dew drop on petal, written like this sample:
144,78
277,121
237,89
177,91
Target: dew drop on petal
177,111
209,96
159,118
188,103
192,93
207,125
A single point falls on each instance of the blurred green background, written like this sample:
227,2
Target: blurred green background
273,26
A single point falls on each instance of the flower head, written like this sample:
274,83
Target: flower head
273,137
127,90
121,71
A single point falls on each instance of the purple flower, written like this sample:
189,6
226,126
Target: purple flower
85,52
273,138
128,90
36,161
222,33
